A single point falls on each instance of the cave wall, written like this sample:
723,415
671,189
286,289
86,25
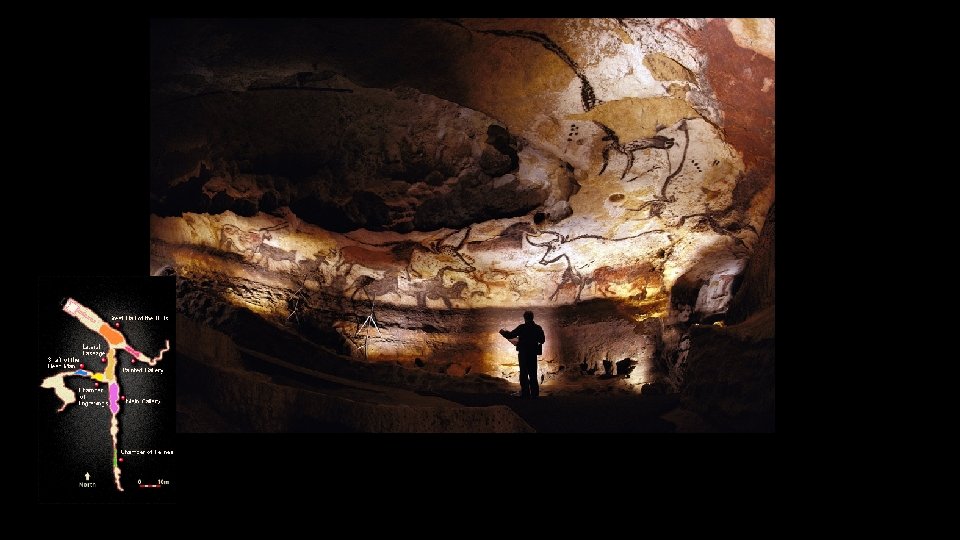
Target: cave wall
611,174
759,288
729,376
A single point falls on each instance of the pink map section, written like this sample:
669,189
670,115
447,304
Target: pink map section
114,398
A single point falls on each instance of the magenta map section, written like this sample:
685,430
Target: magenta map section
114,398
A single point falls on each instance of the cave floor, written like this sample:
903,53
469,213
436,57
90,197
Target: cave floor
587,406
569,404
584,405
567,412
587,411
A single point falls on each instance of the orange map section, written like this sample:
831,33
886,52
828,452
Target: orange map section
113,337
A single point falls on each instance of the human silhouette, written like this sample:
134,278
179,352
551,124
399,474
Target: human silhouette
529,345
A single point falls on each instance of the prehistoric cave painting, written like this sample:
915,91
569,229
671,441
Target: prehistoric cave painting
380,269
491,279
710,220
418,260
315,268
587,96
647,119
628,149
614,144
278,257
635,277
428,261
376,260
332,270
375,287
559,247
352,269
509,238
682,32
247,243
520,284
434,289
589,101
658,203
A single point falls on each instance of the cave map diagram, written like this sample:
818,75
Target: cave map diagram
107,398
115,341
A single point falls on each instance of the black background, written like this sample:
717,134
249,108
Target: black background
90,125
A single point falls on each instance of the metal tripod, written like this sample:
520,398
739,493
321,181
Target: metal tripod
295,307
371,320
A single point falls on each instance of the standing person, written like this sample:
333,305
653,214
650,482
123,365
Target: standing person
530,343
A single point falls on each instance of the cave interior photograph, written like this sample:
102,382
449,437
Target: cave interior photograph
467,225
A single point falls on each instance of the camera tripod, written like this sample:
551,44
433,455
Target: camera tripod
372,321
294,305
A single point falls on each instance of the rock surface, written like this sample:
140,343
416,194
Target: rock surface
729,376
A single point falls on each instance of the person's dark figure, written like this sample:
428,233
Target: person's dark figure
531,339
